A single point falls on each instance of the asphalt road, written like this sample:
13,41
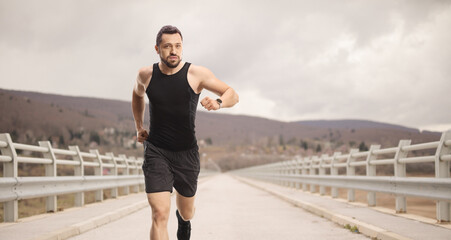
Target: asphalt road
231,210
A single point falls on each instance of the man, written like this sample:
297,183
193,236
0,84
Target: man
171,157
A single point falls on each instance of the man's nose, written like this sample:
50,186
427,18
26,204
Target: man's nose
173,50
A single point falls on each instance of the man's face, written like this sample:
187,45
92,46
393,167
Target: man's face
170,49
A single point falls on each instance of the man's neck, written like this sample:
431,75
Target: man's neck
170,71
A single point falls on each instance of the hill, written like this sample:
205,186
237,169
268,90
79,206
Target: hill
47,114
251,130
232,140
354,124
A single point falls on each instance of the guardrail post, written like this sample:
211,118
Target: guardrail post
280,170
275,172
126,172
114,191
334,172
312,171
284,169
78,171
371,171
284,165
350,171
98,171
292,173
304,172
322,172
135,188
272,172
286,172
298,171
50,171
442,171
400,171
10,208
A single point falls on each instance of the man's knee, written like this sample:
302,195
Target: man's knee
160,203
160,214
185,206
187,213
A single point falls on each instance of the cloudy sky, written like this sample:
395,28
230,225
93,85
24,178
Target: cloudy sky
387,61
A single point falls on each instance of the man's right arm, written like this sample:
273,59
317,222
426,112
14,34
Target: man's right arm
139,103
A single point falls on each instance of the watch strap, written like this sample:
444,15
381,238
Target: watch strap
219,101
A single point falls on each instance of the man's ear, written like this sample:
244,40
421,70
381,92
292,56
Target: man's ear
157,49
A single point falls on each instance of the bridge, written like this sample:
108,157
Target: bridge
273,201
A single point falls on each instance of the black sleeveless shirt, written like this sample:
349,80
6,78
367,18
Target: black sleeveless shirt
172,105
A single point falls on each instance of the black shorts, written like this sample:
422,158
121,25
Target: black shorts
164,169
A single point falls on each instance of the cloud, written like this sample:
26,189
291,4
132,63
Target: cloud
289,60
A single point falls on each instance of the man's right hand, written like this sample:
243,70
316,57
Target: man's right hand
142,135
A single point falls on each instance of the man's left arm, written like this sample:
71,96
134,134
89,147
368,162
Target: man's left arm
226,94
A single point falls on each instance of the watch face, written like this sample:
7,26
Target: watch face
219,100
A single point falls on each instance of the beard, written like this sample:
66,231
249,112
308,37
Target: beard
169,64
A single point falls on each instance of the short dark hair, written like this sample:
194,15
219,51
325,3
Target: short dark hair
168,29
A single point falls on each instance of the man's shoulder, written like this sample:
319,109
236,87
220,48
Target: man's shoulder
145,73
146,70
198,70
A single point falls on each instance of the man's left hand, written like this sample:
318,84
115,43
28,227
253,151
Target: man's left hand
209,104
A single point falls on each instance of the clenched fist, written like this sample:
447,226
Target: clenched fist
209,104
142,135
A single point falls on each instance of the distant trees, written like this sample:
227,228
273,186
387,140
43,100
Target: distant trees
318,148
363,147
14,135
61,140
94,137
73,135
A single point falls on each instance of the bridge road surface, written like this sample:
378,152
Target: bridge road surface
231,210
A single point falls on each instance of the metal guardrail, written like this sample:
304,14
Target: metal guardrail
311,171
14,187
34,187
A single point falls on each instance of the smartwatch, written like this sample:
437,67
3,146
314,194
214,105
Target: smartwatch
219,101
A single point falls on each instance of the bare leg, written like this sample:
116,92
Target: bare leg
185,205
160,203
